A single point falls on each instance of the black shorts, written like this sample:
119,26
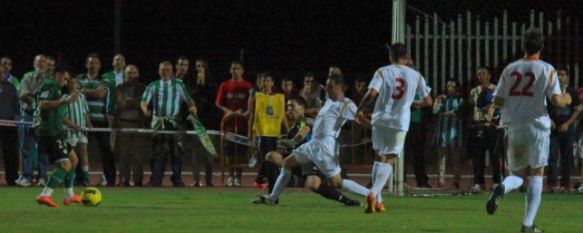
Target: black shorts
54,147
310,169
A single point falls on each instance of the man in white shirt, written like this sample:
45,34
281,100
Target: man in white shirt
322,150
396,86
521,94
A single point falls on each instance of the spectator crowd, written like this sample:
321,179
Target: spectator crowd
118,99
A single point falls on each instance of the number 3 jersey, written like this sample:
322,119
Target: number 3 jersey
524,86
396,86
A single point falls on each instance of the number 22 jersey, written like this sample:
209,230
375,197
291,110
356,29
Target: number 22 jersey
524,86
396,86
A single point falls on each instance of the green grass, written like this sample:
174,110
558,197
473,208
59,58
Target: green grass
226,210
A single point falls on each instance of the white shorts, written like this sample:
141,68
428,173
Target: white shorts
323,152
387,140
78,138
528,145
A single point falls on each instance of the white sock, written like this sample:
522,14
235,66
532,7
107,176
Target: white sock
378,197
442,164
69,193
47,191
533,198
383,172
373,172
354,187
280,183
85,168
511,183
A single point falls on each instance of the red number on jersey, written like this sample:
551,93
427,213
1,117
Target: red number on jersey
517,80
400,88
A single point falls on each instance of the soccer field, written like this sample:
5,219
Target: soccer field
230,210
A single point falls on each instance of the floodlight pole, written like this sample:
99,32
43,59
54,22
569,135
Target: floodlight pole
398,36
117,27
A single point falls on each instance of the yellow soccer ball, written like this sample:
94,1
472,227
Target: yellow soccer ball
91,196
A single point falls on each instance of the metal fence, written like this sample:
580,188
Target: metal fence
455,49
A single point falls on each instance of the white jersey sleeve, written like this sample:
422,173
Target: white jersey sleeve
377,81
502,89
349,112
422,89
554,87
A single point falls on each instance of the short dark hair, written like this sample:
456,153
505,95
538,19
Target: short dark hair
92,55
237,62
335,66
182,58
165,62
265,75
309,74
61,68
562,67
487,68
398,51
300,101
360,80
533,41
336,79
287,79
453,80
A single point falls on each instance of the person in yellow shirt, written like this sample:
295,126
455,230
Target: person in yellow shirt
267,113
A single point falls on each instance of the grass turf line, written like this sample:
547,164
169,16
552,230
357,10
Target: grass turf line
230,210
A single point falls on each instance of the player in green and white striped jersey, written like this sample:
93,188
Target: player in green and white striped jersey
166,95
77,118
96,92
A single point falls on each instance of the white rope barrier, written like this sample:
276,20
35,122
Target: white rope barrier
229,136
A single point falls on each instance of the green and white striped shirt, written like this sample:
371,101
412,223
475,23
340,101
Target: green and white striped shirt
96,106
166,97
75,112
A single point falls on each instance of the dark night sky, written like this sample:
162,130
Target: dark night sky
288,37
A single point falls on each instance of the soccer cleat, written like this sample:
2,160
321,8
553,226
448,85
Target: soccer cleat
264,199
236,182
252,161
24,182
531,229
350,202
495,198
17,181
46,200
74,199
370,202
477,189
578,188
41,182
229,181
103,182
380,207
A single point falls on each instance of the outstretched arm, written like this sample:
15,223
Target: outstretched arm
367,99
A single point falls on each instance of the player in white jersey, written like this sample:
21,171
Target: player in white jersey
521,94
396,86
322,150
